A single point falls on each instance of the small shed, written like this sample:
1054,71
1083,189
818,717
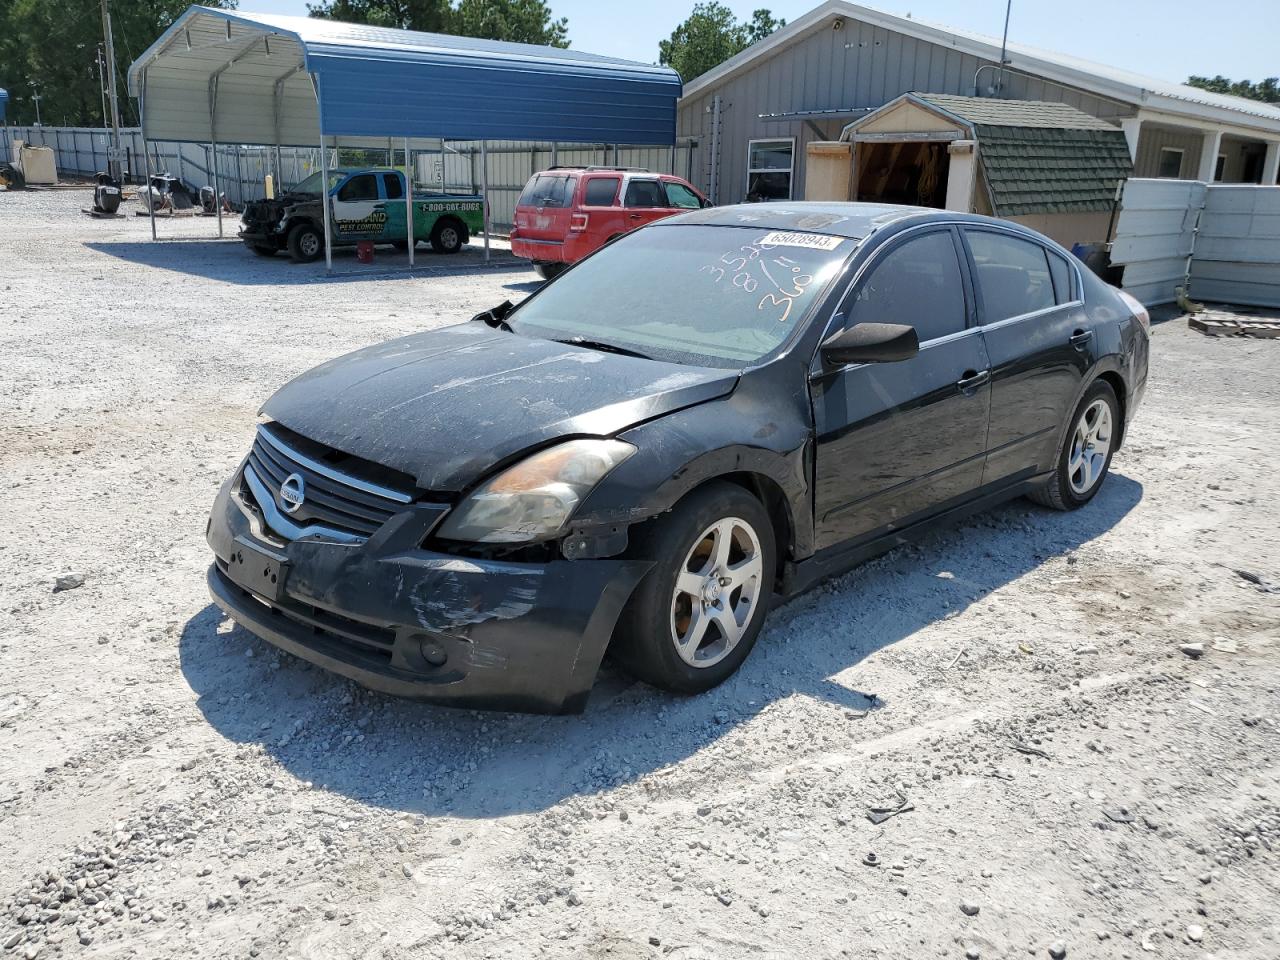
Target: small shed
1044,164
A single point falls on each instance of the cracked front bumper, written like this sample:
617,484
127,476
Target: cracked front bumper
421,624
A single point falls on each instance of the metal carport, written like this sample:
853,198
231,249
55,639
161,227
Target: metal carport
247,78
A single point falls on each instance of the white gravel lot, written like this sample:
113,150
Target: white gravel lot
172,787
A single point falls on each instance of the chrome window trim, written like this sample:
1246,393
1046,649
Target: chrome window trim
281,524
1030,316
325,471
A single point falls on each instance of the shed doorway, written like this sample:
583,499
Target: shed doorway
904,172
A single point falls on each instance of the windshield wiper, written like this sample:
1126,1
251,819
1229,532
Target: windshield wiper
601,345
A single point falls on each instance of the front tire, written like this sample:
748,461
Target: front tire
1085,457
306,243
695,617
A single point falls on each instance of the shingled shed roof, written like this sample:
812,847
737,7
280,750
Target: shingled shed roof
1037,157
1041,157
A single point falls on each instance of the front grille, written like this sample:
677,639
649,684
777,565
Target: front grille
349,502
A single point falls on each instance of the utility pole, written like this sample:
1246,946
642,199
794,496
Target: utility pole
102,88
114,154
1004,44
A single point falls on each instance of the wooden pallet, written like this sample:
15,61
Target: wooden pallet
1220,326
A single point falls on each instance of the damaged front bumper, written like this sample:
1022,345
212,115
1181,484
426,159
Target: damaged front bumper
417,623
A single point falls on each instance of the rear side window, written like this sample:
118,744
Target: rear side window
363,187
644,193
1013,275
917,283
392,184
600,191
546,190
1061,277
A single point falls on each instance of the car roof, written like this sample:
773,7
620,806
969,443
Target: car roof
856,221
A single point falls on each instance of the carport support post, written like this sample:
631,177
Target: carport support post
146,157
325,205
408,200
484,192
217,188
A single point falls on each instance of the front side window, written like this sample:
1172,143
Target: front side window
1013,275
362,187
600,191
391,183
311,184
681,197
769,167
707,295
644,193
917,283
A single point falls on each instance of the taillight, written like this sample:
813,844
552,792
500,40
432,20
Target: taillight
1137,309
578,222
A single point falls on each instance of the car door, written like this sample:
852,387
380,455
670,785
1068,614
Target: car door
644,201
1040,342
393,228
599,201
358,210
898,441
681,197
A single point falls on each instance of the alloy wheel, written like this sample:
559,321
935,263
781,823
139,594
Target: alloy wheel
716,592
1090,445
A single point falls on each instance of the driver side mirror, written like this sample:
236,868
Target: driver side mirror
494,316
871,343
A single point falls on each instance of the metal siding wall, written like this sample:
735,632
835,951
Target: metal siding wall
1237,255
1153,139
1155,234
856,66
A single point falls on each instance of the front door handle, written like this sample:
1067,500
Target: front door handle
972,381
1080,339
635,216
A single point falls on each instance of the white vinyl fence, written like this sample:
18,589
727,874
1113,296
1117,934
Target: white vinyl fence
1221,241
454,166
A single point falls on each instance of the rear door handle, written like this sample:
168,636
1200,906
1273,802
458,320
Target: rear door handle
1081,338
972,381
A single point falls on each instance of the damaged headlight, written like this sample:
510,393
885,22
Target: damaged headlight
534,499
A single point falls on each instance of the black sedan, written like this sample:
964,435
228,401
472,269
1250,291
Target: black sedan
707,415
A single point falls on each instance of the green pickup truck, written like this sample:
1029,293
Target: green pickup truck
366,205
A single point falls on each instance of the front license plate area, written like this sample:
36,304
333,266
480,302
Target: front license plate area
257,570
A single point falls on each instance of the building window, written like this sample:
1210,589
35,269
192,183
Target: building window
1170,163
1220,167
769,167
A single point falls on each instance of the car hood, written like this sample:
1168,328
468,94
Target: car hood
446,406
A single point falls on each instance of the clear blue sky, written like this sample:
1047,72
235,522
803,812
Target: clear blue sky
1162,38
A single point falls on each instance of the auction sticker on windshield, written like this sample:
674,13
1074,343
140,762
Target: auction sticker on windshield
813,241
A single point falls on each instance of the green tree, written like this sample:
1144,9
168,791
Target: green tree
1268,90
521,21
712,35
55,46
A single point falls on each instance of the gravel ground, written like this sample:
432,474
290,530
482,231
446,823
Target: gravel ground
172,787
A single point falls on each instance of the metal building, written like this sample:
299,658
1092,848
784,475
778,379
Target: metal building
755,117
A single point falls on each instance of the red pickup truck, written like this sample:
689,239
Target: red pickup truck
566,213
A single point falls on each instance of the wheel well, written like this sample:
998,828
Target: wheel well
1117,384
769,493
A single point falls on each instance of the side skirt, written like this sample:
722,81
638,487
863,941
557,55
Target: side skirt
806,574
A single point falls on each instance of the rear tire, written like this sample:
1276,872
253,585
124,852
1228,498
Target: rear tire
549,269
448,236
696,615
306,243
1085,457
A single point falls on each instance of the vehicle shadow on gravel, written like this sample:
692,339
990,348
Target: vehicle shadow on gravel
417,758
232,262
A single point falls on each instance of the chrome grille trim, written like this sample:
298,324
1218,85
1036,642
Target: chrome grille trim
326,471
282,525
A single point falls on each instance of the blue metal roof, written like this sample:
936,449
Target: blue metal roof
380,82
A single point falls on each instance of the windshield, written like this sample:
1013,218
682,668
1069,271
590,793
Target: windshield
708,295
312,183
